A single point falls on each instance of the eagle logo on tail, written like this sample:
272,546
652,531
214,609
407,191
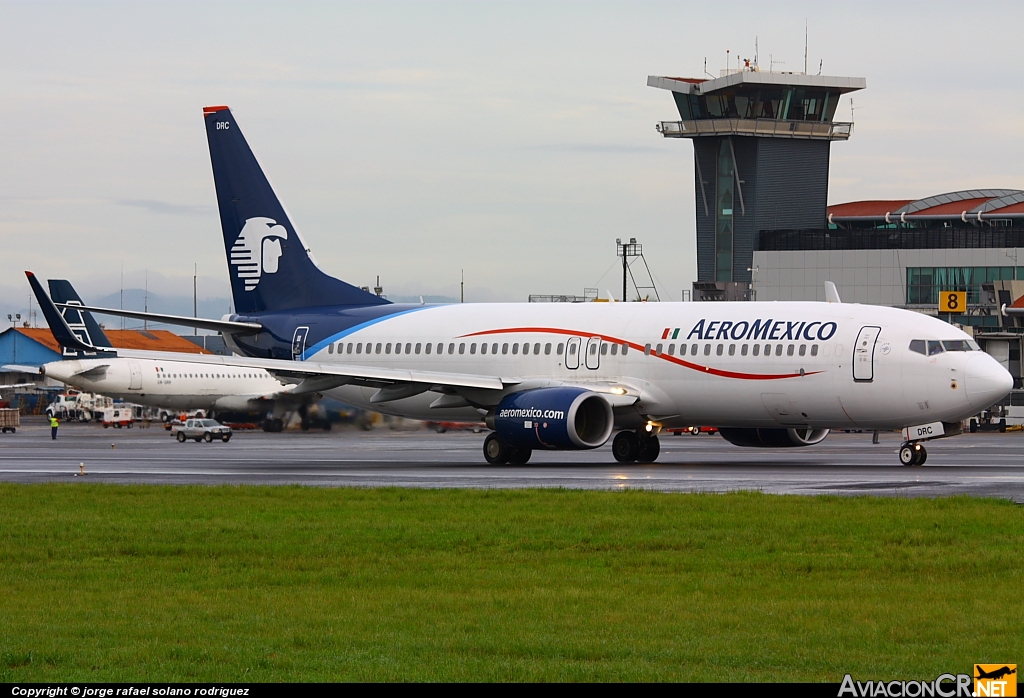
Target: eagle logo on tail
258,250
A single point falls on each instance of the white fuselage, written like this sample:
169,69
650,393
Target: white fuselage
171,385
801,368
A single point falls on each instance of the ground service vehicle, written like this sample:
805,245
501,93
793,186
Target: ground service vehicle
118,417
201,430
10,420
568,375
76,406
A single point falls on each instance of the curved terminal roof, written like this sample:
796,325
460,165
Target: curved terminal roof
978,204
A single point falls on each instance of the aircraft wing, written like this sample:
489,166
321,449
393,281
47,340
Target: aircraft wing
226,326
322,376
18,385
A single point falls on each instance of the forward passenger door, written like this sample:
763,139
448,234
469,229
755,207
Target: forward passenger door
864,354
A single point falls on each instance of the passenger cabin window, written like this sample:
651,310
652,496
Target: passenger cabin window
387,348
349,348
615,349
472,348
451,348
718,349
743,350
560,349
418,347
494,348
536,348
515,348
814,350
504,349
547,349
462,348
647,350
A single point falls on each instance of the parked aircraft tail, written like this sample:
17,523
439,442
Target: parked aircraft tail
80,321
270,265
72,343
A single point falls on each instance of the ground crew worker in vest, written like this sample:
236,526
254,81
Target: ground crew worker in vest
54,423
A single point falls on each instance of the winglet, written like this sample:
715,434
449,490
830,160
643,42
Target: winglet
58,326
831,293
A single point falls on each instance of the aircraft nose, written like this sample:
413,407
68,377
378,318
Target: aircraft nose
987,381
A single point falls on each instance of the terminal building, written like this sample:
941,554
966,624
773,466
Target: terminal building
761,146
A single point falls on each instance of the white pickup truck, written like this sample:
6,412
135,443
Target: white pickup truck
201,430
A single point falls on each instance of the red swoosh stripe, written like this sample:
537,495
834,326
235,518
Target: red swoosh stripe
638,347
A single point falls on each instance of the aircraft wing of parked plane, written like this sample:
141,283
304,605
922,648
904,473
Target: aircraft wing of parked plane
226,326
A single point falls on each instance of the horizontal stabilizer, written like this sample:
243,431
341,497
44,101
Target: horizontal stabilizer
225,326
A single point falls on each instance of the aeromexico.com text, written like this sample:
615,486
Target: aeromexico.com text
770,329
531,414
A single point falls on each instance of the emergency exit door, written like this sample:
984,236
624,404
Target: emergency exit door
864,354
572,353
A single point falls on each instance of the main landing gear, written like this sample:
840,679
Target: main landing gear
497,452
913,454
629,446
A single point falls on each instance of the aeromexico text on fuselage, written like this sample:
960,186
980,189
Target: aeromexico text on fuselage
767,329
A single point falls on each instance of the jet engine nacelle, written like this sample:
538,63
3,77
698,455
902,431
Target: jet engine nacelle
553,418
773,438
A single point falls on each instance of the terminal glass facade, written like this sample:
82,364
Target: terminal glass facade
723,212
925,283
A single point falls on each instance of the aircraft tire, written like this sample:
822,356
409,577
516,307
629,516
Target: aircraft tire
181,437
922,456
626,447
520,456
650,449
496,451
907,454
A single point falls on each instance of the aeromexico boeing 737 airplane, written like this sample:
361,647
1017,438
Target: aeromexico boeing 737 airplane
566,376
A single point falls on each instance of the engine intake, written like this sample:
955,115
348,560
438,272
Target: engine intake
553,418
773,438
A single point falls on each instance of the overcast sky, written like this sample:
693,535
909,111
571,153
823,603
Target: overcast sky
414,140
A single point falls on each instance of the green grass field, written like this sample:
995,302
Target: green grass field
110,583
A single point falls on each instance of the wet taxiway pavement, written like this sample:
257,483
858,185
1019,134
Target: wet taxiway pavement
975,464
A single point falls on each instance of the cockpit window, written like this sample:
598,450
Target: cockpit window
956,345
934,347
917,345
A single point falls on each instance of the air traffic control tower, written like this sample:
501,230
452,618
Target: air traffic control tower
760,152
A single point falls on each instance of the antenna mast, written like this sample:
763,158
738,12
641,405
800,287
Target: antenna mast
805,47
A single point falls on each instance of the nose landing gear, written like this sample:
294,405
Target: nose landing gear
913,454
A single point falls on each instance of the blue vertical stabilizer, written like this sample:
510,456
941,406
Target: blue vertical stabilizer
269,264
81,322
